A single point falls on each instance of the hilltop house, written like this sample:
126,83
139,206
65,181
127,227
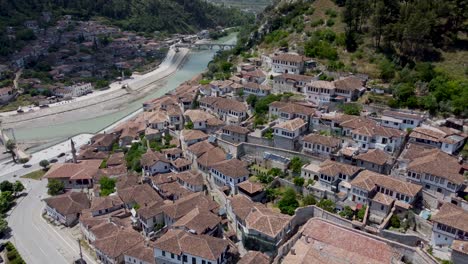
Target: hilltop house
290,83
286,134
288,63
400,120
449,140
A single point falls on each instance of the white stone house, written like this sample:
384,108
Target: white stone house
229,173
80,89
286,134
320,145
288,63
154,162
292,83
447,139
401,120
449,223
378,137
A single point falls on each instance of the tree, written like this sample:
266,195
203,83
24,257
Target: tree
288,202
361,213
6,186
327,205
351,109
296,165
107,186
299,181
189,125
18,187
3,225
11,146
309,200
55,187
44,164
251,100
347,213
6,200
395,221
275,172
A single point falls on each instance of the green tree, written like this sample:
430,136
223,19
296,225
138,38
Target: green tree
395,221
55,187
3,225
288,202
361,213
327,205
309,200
6,186
351,109
251,100
18,187
6,200
275,172
347,213
189,125
296,165
107,186
44,164
299,181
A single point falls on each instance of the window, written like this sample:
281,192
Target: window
164,253
194,260
203,262
172,255
382,207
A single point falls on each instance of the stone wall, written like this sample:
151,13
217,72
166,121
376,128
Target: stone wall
260,141
258,150
406,239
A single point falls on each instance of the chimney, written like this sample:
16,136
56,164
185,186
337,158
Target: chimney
293,251
307,239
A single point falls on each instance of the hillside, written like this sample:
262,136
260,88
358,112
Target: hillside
249,5
417,50
139,15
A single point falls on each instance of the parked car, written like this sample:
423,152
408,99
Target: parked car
53,160
61,155
27,166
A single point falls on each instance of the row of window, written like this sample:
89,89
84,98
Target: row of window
316,147
285,63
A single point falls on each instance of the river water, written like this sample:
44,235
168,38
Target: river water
195,64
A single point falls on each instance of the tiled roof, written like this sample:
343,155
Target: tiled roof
368,180
233,168
438,134
250,187
104,229
142,251
322,84
323,242
173,189
102,139
181,162
334,168
179,241
375,156
349,83
200,147
89,153
256,86
197,115
224,103
198,221
150,158
354,122
402,115
117,244
212,157
85,169
289,57
116,159
438,163
191,177
292,108
322,140
291,125
453,216
189,135
237,129
254,257
460,246
294,77
184,205
69,203
141,194
375,129
383,199
106,202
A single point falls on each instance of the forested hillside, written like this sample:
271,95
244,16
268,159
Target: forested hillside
138,15
417,50
251,5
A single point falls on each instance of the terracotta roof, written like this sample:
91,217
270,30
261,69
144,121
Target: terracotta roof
196,115
198,221
460,246
413,151
89,153
375,129
117,244
267,221
383,199
368,180
323,242
127,180
254,257
291,125
156,117
237,129
150,158
354,122
241,206
438,163
85,169
214,122
106,202
322,140
250,187
105,140
116,159
104,229
402,115
211,157
179,242
189,135
292,108
200,147
375,156
173,189
233,168
224,104
453,216
322,85
153,209
181,162
294,77
192,178
69,203
141,194
184,205
349,83
142,251
256,86
438,134
289,57
172,151
113,171
334,168
256,73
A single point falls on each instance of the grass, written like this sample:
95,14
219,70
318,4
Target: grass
21,100
35,175
454,64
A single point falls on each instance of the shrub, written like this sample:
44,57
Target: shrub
327,205
361,213
309,200
347,213
395,221
299,181
288,202
330,22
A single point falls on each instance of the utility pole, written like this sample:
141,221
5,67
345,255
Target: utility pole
80,260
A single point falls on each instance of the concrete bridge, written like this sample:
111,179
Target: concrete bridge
210,46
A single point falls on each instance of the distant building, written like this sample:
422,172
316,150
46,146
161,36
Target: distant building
290,83
288,63
234,133
401,120
7,94
80,89
286,134
344,90
449,140
321,145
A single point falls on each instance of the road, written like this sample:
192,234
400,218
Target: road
36,239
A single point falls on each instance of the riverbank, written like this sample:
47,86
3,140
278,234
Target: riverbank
104,102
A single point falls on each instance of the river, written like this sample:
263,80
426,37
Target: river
195,64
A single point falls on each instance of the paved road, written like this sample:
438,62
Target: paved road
36,239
